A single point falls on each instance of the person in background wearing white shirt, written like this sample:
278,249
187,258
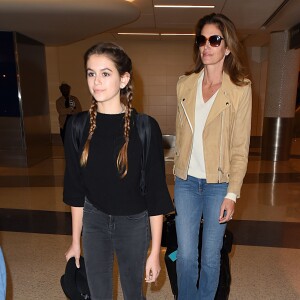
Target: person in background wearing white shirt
66,105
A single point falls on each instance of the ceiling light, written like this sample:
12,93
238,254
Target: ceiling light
138,33
177,34
184,6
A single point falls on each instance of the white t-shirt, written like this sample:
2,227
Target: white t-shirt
197,164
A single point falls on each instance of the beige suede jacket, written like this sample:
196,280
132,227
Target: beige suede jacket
226,134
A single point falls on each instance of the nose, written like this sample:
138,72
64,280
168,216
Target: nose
98,79
207,44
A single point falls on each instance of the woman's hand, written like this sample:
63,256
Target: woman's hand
152,268
227,210
74,251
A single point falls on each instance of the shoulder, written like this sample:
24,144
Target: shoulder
60,99
74,97
155,129
79,118
229,86
188,78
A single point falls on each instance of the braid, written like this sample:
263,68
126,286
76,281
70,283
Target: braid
124,66
122,159
85,152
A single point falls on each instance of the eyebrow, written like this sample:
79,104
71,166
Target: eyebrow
104,69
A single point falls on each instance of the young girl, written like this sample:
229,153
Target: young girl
102,182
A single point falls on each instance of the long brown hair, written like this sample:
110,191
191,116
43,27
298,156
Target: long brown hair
233,63
123,65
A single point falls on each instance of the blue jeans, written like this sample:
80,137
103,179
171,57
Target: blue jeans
2,276
105,235
196,199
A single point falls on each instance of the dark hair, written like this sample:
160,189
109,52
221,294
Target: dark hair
64,86
233,63
123,65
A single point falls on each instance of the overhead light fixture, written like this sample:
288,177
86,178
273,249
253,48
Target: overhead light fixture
138,33
178,34
184,6
155,34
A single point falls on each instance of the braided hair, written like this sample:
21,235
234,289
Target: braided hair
123,64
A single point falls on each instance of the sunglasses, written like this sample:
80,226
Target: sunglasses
214,40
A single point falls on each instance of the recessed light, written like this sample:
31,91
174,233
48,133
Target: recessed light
177,34
138,33
184,6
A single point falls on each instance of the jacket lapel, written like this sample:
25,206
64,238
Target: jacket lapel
188,100
222,100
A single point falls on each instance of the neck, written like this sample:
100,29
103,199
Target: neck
111,110
212,76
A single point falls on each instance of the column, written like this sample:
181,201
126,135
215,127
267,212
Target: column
280,101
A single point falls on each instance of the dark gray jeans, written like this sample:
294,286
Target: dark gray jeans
128,238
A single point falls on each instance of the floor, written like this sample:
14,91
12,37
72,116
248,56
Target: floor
35,229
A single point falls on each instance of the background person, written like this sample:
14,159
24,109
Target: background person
66,105
212,143
102,183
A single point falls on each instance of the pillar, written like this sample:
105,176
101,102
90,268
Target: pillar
280,101
24,106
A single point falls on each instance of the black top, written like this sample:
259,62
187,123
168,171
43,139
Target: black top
100,182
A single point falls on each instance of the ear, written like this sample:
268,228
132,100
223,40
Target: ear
227,52
124,80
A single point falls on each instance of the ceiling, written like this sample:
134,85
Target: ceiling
56,22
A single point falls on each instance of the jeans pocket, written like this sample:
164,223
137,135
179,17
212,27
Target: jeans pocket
89,207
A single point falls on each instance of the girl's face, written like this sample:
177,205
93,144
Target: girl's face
212,55
104,80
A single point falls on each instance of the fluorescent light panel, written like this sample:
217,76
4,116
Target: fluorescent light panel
156,34
184,6
138,33
177,34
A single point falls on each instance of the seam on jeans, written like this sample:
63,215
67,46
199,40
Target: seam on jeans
137,216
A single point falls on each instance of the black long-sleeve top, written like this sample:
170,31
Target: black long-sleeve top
100,182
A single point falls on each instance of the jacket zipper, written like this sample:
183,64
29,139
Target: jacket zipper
220,171
187,116
191,130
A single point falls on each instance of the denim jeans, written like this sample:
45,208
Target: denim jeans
2,276
196,199
105,235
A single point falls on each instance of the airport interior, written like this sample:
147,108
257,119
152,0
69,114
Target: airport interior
42,45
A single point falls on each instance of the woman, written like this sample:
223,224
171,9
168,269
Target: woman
102,182
211,156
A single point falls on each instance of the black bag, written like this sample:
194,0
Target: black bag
169,240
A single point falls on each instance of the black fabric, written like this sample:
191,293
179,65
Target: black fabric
170,241
74,281
99,180
79,122
144,130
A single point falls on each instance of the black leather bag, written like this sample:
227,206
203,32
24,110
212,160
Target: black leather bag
169,240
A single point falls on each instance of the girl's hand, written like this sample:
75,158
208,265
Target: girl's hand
74,251
152,268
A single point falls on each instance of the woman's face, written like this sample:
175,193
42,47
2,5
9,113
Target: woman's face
104,80
212,55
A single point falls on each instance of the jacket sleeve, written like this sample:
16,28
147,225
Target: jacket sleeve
157,196
74,191
240,142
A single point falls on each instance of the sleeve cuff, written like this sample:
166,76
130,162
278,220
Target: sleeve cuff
231,196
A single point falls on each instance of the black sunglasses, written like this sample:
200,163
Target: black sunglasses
214,40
